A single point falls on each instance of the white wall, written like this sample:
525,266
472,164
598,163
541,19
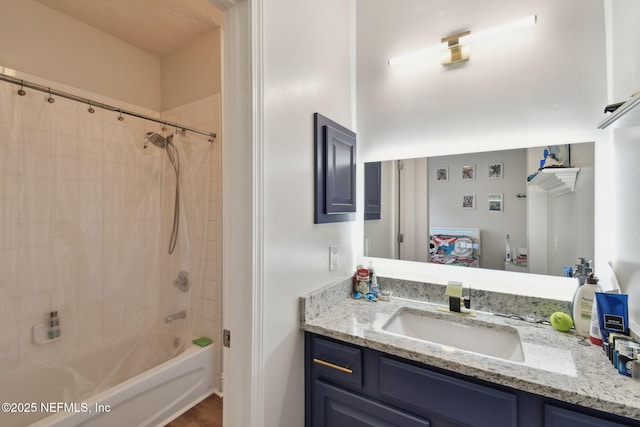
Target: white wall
192,72
540,85
624,204
40,41
308,63
575,212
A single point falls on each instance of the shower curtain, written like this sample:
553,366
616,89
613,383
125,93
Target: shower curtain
86,213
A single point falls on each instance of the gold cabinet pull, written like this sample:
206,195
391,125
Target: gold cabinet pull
331,365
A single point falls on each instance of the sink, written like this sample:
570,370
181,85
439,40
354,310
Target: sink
457,333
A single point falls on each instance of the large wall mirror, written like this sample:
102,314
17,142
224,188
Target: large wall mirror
458,209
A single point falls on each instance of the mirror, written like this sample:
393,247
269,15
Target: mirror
458,209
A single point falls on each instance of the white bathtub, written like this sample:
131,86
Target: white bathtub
154,397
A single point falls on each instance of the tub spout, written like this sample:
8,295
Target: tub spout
179,315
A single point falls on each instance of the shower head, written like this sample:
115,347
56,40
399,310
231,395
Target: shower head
158,140
174,158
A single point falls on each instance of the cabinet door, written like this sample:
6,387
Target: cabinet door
335,407
372,190
341,172
335,171
558,417
461,402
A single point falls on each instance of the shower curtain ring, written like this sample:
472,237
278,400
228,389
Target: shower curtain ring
21,92
120,118
91,110
50,99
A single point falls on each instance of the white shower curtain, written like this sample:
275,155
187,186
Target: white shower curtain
85,218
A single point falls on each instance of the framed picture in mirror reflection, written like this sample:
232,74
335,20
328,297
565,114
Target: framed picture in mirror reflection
495,170
469,172
469,201
442,173
495,202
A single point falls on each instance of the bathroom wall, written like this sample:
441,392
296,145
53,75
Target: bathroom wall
192,71
46,43
491,102
621,211
308,50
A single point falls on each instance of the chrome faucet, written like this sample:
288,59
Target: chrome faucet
179,315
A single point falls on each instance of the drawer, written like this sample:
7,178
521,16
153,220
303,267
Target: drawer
437,394
336,407
558,417
337,361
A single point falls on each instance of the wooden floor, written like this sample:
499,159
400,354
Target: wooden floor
207,413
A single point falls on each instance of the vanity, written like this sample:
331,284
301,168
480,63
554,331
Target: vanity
360,369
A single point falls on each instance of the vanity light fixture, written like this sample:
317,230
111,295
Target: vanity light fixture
456,47
456,51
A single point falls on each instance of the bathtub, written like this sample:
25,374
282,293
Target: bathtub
71,396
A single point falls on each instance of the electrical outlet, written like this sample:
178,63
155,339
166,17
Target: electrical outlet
333,257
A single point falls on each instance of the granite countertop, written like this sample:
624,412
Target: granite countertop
556,365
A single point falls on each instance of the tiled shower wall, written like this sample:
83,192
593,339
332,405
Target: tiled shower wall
205,115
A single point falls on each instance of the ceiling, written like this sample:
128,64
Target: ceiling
157,26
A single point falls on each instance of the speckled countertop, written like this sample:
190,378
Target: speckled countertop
555,364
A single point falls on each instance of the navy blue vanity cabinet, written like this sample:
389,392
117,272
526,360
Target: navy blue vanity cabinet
348,385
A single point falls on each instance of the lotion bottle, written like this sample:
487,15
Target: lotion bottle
583,304
508,256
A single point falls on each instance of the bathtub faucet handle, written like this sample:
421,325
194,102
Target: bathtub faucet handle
182,282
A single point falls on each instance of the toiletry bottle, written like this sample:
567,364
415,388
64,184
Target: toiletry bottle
594,326
373,281
375,289
582,306
508,254
56,325
51,333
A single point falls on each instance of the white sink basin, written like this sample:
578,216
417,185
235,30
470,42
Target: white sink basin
456,332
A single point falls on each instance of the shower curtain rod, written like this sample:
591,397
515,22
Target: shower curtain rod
92,103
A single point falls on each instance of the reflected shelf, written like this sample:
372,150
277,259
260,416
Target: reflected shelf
625,115
556,181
